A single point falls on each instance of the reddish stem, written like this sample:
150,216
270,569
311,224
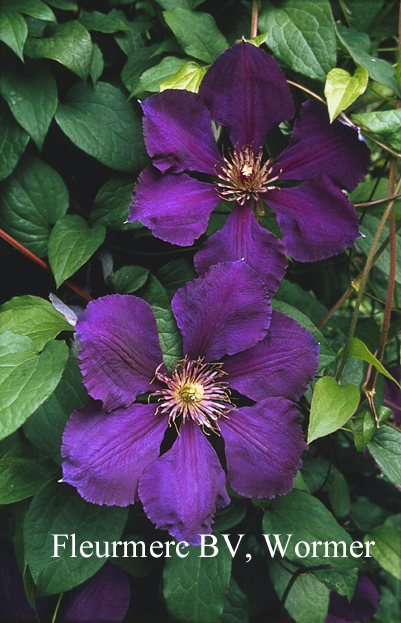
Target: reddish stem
41,263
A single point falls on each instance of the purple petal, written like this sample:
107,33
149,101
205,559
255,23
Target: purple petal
263,446
316,218
318,146
178,132
243,238
222,313
280,365
104,598
181,491
120,349
362,607
14,606
175,207
247,92
106,453
392,395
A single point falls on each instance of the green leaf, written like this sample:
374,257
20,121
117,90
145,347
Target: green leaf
339,496
358,45
129,279
59,509
308,520
34,317
332,406
64,5
326,354
31,92
229,516
385,125
169,336
196,33
360,351
137,567
236,608
342,89
387,548
26,378
69,44
364,427
154,293
302,35
13,31
257,41
152,79
188,77
93,20
176,274
292,294
97,64
308,599
34,8
102,123
361,13
13,140
20,478
385,448
369,228
71,244
195,588
112,204
31,199
45,427
138,62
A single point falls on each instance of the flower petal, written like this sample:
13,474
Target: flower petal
222,313
106,453
104,598
280,365
242,238
181,491
247,92
263,446
175,207
178,132
120,349
316,218
318,146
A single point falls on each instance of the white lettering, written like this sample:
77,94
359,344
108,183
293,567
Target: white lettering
278,544
86,545
56,544
227,540
204,545
177,549
307,549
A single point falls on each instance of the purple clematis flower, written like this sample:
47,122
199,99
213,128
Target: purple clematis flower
104,598
233,344
246,92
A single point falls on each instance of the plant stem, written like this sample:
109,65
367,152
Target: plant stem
254,21
41,263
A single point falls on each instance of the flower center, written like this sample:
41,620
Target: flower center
244,176
196,392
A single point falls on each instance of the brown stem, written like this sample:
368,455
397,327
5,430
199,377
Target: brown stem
254,21
41,263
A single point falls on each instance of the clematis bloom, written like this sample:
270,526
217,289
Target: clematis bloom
233,344
246,92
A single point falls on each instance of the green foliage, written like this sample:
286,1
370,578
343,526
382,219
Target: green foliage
196,33
31,199
188,77
102,123
59,509
169,336
387,548
301,35
34,317
342,89
13,140
195,587
71,244
31,92
385,448
332,406
27,378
